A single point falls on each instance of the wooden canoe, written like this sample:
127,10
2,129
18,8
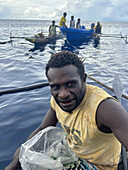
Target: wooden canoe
45,40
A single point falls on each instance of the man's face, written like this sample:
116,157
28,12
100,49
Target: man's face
53,23
66,86
65,15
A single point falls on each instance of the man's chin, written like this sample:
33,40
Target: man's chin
67,108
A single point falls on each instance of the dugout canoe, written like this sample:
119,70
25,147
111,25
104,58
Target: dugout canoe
45,40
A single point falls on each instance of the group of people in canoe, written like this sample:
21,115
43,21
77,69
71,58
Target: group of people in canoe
53,26
78,25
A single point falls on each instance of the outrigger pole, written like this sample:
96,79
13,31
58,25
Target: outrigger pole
36,86
22,89
115,36
107,87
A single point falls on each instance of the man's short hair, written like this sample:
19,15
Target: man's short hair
64,13
65,58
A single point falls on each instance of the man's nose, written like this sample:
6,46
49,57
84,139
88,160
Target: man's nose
64,93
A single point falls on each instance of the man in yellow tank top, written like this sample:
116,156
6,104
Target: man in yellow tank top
96,124
63,20
52,29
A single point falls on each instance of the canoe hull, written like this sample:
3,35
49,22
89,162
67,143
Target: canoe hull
45,40
74,34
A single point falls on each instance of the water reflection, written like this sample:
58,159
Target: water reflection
72,46
96,41
42,47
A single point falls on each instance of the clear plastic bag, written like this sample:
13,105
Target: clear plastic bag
48,149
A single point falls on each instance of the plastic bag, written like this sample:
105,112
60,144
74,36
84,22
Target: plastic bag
48,149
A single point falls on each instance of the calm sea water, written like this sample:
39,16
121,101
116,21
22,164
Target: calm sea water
22,65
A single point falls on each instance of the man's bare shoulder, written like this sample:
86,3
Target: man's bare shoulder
110,112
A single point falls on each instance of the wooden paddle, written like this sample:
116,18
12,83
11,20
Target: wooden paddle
118,89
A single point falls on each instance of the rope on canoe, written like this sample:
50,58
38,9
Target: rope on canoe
74,48
69,42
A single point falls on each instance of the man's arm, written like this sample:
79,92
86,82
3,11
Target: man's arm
49,120
57,25
110,113
49,29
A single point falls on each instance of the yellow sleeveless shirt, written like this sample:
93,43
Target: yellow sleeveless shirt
83,135
62,21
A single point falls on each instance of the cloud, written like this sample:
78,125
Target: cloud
51,15
53,9
117,10
5,10
31,11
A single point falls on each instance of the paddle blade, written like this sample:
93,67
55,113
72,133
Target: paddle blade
118,87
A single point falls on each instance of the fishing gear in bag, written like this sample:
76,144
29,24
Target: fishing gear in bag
48,149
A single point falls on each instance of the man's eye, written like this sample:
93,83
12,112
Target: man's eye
71,84
54,87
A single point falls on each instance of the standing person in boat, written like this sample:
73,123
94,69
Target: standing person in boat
72,22
98,28
78,24
52,29
96,124
63,20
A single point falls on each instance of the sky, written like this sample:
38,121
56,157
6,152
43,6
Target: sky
88,10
